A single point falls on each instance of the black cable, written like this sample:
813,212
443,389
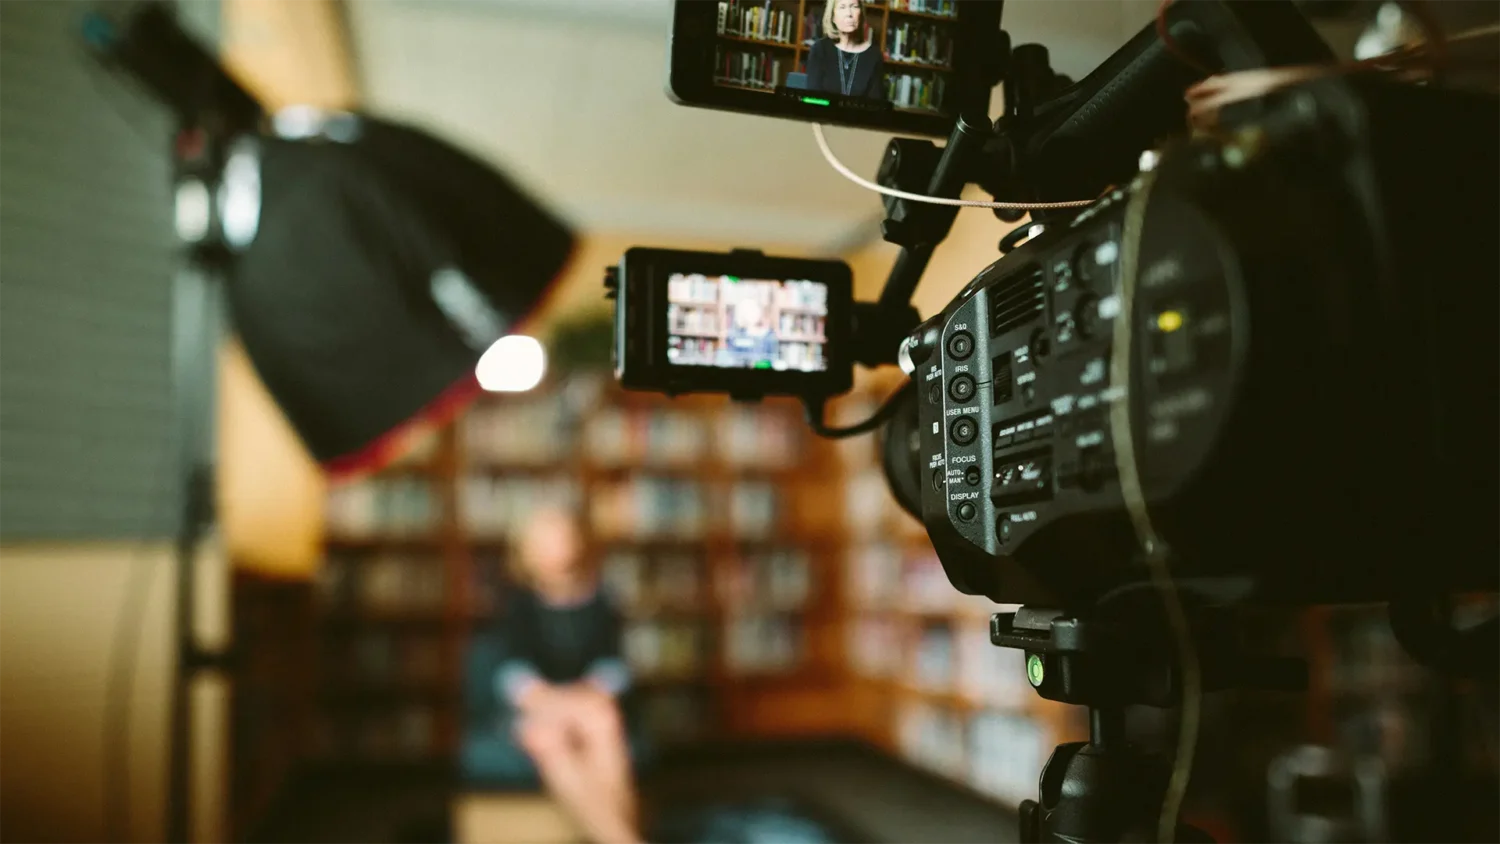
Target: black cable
814,413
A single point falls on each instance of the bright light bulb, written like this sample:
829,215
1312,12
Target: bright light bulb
239,195
512,364
193,210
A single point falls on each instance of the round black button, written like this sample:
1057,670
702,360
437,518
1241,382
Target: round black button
937,480
1085,262
972,476
1041,347
966,511
961,345
1086,316
961,388
964,430
935,393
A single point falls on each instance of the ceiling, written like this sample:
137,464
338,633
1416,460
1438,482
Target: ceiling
568,97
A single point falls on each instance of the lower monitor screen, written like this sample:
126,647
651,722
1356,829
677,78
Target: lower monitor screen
743,323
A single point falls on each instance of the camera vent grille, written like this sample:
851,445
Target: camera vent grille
1016,300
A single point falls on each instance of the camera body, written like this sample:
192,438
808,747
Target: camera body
735,322
1310,403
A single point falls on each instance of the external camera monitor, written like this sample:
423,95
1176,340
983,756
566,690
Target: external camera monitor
737,322
898,65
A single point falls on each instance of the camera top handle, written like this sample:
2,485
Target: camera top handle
1062,141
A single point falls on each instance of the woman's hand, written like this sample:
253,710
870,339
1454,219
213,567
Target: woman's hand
537,697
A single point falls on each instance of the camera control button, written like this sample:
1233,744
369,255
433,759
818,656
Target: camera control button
961,388
964,430
961,345
966,511
972,476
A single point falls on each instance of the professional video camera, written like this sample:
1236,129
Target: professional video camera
1260,366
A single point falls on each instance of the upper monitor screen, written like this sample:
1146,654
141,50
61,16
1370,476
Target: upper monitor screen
897,53
742,323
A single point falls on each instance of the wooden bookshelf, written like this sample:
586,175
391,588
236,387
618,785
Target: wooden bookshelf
799,22
751,469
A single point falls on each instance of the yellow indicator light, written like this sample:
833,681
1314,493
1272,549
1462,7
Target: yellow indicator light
1169,321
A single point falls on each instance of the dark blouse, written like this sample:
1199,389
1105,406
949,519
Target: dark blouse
868,67
560,644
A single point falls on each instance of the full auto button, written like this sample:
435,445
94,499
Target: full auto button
963,430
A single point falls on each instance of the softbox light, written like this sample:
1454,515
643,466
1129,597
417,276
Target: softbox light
384,264
368,266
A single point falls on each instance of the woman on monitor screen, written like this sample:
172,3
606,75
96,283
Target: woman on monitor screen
847,61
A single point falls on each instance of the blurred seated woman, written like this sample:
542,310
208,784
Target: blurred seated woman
546,688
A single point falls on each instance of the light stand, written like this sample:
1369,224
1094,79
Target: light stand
198,328
212,110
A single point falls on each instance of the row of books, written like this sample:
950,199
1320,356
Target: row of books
382,658
808,326
803,295
751,69
649,508
517,432
926,7
909,90
645,508
738,436
754,438
694,289
615,436
957,660
752,643
694,319
762,643
997,753
779,579
493,507
873,571
640,583
405,733
755,20
800,355
383,506
875,645
869,507
384,582
666,648
920,43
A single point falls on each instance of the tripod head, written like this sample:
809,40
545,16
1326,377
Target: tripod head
1108,789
